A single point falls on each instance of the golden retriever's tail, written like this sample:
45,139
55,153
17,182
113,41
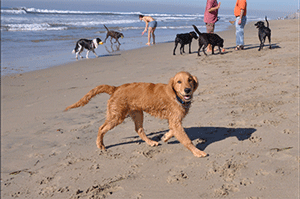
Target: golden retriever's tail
95,91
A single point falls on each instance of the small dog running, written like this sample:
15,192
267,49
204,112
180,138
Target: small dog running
89,45
184,39
263,32
209,38
113,34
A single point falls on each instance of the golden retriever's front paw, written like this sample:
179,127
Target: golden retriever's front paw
199,153
152,143
101,146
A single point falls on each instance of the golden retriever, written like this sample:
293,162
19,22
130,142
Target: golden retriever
166,101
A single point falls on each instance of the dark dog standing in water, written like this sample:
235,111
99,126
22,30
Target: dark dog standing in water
263,32
184,39
209,38
113,34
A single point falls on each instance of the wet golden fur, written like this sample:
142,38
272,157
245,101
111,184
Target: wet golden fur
159,100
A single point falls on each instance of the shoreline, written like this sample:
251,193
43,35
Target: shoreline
40,62
243,115
108,53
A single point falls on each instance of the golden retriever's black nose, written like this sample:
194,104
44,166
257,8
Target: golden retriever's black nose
187,90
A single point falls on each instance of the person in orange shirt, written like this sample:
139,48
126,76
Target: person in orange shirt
240,12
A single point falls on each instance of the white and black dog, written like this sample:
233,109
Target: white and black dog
89,45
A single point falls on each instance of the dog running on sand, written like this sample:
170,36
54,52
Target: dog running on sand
170,101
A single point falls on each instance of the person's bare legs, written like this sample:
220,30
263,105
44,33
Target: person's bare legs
151,32
210,28
149,35
209,49
153,35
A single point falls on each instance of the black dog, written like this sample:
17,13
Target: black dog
184,39
113,34
90,45
263,32
209,38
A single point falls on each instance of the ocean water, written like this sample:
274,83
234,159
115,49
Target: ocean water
33,39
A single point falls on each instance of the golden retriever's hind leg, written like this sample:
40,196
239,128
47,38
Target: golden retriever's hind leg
137,117
101,132
109,124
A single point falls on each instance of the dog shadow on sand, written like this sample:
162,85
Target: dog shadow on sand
204,136
231,49
201,136
256,46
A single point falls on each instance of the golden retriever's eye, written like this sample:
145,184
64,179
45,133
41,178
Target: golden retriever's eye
179,82
190,80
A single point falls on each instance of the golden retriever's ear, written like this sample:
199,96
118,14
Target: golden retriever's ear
195,82
171,83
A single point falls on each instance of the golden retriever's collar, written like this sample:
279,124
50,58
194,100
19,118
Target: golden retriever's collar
182,103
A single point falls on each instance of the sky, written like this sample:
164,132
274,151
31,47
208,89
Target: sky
181,6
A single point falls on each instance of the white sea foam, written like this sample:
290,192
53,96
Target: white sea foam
12,11
51,11
32,27
96,23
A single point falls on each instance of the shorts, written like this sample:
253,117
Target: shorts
153,24
210,27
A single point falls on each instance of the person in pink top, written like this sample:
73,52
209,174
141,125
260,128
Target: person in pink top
211,17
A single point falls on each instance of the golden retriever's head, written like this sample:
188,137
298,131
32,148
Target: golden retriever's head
184,85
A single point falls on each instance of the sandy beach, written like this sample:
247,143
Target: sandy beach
245,115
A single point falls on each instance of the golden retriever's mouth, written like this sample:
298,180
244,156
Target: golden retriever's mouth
186,98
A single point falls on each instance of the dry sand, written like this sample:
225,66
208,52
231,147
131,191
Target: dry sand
245,115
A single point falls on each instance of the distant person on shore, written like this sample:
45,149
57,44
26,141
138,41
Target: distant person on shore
211,17
240,11
151,25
